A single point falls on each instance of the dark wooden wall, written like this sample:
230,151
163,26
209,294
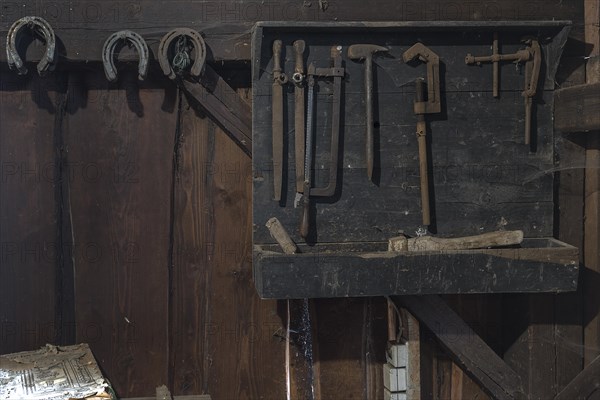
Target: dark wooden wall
129,230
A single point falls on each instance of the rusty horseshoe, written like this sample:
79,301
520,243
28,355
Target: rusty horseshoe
165,44
130,38
42,28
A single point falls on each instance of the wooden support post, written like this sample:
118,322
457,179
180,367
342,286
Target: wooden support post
413,366
465,347
576,108
591,279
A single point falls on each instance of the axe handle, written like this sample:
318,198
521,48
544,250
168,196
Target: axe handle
431,243
422,142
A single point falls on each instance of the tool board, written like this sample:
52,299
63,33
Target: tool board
482,175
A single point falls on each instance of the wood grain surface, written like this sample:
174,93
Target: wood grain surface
28,224
120,139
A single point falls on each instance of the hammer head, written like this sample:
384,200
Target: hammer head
364,51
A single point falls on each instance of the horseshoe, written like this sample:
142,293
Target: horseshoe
199,46
36,25
108,49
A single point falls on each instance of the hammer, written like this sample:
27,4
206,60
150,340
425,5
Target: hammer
365,52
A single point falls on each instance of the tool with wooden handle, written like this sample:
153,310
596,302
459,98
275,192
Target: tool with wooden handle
421,107
532,74
298,79
430,243
279,79
336,71
366,52
422,142
308,149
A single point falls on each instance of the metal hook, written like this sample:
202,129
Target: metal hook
108,53
199,46
42,27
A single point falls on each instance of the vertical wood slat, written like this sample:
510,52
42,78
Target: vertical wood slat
592,197
27,213
224,343
568,318
351,350
118,140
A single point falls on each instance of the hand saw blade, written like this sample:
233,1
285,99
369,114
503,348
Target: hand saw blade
299,142
277,109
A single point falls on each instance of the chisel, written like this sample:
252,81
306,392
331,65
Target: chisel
279,79
298,79
305,223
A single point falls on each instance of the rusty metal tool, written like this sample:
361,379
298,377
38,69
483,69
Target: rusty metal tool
40,27
421,107
531,56
336,71
366,52
279,79
532,74
495,58
298,78
131,38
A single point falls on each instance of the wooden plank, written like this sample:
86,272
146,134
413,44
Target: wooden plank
483,314
568,324
215,97
413,366
65,282
586,383
576,108
225,340
83,27
351,359
193,236
29,298
465,346
343,270
591,280
591,257
530,344
568,319
117,141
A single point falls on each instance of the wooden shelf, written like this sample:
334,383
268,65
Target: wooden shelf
367,269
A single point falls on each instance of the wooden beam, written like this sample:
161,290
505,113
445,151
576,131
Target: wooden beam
591,256
467,349
358,270
584,384
82,27
223,105
576,108
413,367
79,43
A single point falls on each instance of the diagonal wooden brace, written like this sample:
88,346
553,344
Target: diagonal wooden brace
223,105
465,347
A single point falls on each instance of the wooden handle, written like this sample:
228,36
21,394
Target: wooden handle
422,141
528,102
299,51
279,233
423,172
277,56
431,243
